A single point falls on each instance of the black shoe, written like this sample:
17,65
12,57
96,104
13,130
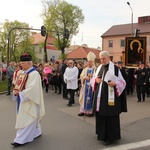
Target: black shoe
143,99
55,92
66,98
81,114
59,93
90,115
69,105
139,101
107,143
16,144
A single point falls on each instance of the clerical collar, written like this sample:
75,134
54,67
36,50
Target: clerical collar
106,65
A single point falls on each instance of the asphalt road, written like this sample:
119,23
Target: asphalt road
64,130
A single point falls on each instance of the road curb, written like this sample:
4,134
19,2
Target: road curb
3,92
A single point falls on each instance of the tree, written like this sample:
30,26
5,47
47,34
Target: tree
59,16
20,40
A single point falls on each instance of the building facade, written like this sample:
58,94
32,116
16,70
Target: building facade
113,40
52,52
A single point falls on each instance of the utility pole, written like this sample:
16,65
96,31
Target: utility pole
131,19
45,53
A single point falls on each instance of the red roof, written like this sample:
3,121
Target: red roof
51,47
38,38
125,29
82,52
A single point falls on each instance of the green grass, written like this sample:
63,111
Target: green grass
3,85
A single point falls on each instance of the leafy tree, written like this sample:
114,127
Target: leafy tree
58,16
19,40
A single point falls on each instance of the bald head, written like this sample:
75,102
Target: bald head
70,63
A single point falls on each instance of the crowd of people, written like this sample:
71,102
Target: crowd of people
101,90
52,76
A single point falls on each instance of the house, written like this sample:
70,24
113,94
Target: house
81,53
113,40
52,51
71,48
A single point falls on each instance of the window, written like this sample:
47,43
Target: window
110,43
111,58
148,58
122,43
121,58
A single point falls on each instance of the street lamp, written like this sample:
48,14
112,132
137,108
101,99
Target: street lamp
131,18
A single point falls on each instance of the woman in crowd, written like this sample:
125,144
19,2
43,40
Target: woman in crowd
46,73
40,71
56,77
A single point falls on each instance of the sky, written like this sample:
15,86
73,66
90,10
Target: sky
100,15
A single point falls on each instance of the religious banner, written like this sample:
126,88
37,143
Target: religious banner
135,51
20,82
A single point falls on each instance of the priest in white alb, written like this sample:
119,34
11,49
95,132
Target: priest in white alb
30,104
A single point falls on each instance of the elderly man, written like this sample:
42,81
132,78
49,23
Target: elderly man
71,80
30,103
86,92
109,85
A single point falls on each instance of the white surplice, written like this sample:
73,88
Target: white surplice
31,110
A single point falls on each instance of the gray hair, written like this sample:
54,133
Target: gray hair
29,62
104,53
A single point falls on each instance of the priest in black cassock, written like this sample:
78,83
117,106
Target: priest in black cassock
107,101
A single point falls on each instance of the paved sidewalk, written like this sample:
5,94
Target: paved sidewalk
136,111
135,124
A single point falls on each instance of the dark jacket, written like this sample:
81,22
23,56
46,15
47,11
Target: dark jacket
142,76
120,102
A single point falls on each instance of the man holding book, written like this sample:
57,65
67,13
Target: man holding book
30,103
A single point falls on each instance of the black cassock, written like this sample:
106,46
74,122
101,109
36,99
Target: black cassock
107,118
